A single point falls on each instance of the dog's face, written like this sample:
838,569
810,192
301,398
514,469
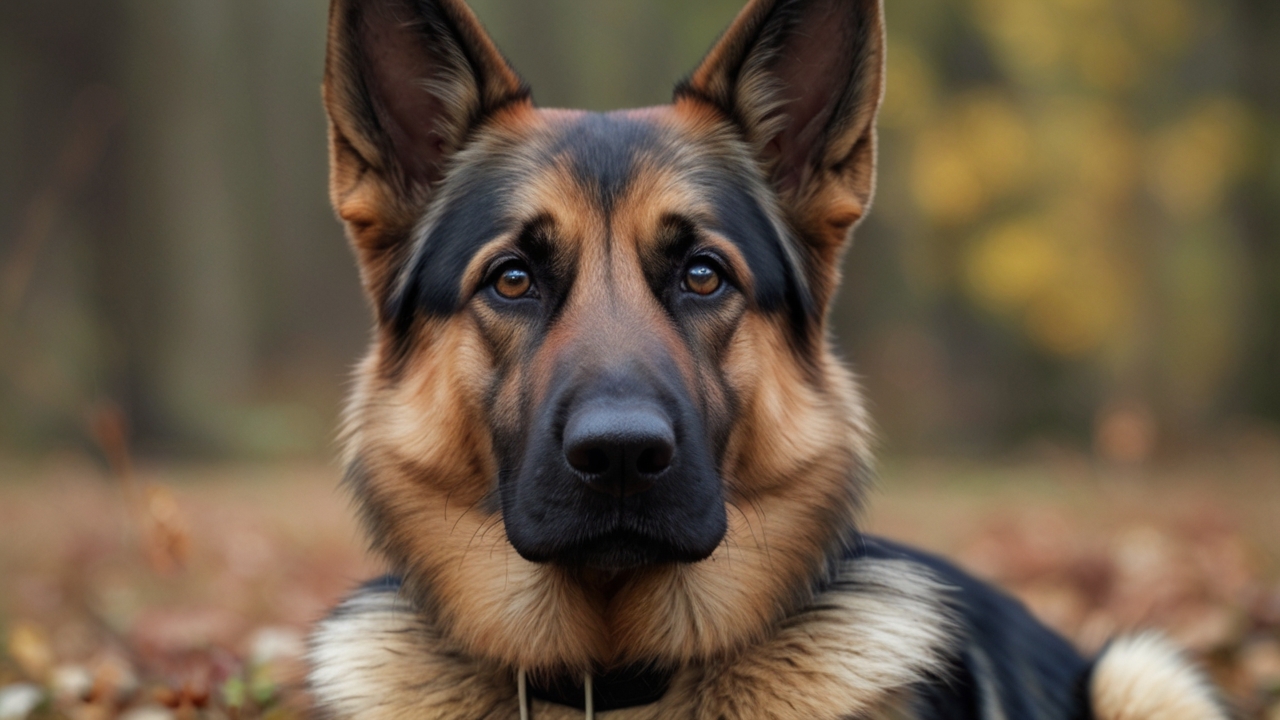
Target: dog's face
600,421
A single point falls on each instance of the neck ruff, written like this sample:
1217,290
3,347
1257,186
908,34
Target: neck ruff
882,626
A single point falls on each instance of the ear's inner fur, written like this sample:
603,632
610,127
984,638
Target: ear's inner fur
429,78
801,80
407,84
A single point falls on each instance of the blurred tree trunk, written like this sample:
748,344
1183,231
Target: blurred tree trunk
183,193
60,192
254,287
1261,72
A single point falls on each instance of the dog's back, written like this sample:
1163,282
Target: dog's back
601,435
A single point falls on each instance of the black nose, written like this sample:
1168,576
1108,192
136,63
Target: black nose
619,449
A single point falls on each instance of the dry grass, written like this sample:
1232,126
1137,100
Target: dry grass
189,594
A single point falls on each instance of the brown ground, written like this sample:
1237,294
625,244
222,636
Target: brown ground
192,599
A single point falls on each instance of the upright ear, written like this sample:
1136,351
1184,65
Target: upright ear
803,79
405,84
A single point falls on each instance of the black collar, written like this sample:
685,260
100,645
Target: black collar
614,690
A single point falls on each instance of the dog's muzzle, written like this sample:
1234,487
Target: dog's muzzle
616,473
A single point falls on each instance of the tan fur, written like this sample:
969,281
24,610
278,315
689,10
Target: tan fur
429,458
881,627
1146,678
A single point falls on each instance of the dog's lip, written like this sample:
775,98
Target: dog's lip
621,549
638,483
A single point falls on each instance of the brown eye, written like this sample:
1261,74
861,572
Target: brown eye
702,279
513,282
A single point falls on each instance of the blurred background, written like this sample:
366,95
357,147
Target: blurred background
1076,222
1065,308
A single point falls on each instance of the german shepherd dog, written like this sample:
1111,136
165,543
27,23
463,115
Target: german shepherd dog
601,436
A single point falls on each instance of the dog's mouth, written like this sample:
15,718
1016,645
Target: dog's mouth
623,550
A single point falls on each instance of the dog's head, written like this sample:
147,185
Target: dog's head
600,421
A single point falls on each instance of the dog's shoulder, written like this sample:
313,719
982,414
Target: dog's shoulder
1005,664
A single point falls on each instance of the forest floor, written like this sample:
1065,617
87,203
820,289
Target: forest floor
186,592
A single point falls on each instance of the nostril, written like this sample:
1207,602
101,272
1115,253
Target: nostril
589,460
617,449
653,459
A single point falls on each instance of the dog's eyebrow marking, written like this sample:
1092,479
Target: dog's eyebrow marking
600,151
742,219
605,150
473,212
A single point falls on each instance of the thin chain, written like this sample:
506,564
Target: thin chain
522,691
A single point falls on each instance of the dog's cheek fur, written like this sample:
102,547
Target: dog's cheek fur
423,463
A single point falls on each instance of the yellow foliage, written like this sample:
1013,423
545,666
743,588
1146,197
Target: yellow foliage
997,140
1063,137
1011,264
1026,34
911,87
1069,295
944,179
976,151
1075,316
1106,58
1087,148
1163,26
1192,162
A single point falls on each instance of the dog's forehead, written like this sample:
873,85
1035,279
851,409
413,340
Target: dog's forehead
605,152
565,166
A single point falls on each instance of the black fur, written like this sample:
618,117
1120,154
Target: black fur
1009,664
476,215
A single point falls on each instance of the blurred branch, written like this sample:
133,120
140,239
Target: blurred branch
161,526
109,428
94,113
